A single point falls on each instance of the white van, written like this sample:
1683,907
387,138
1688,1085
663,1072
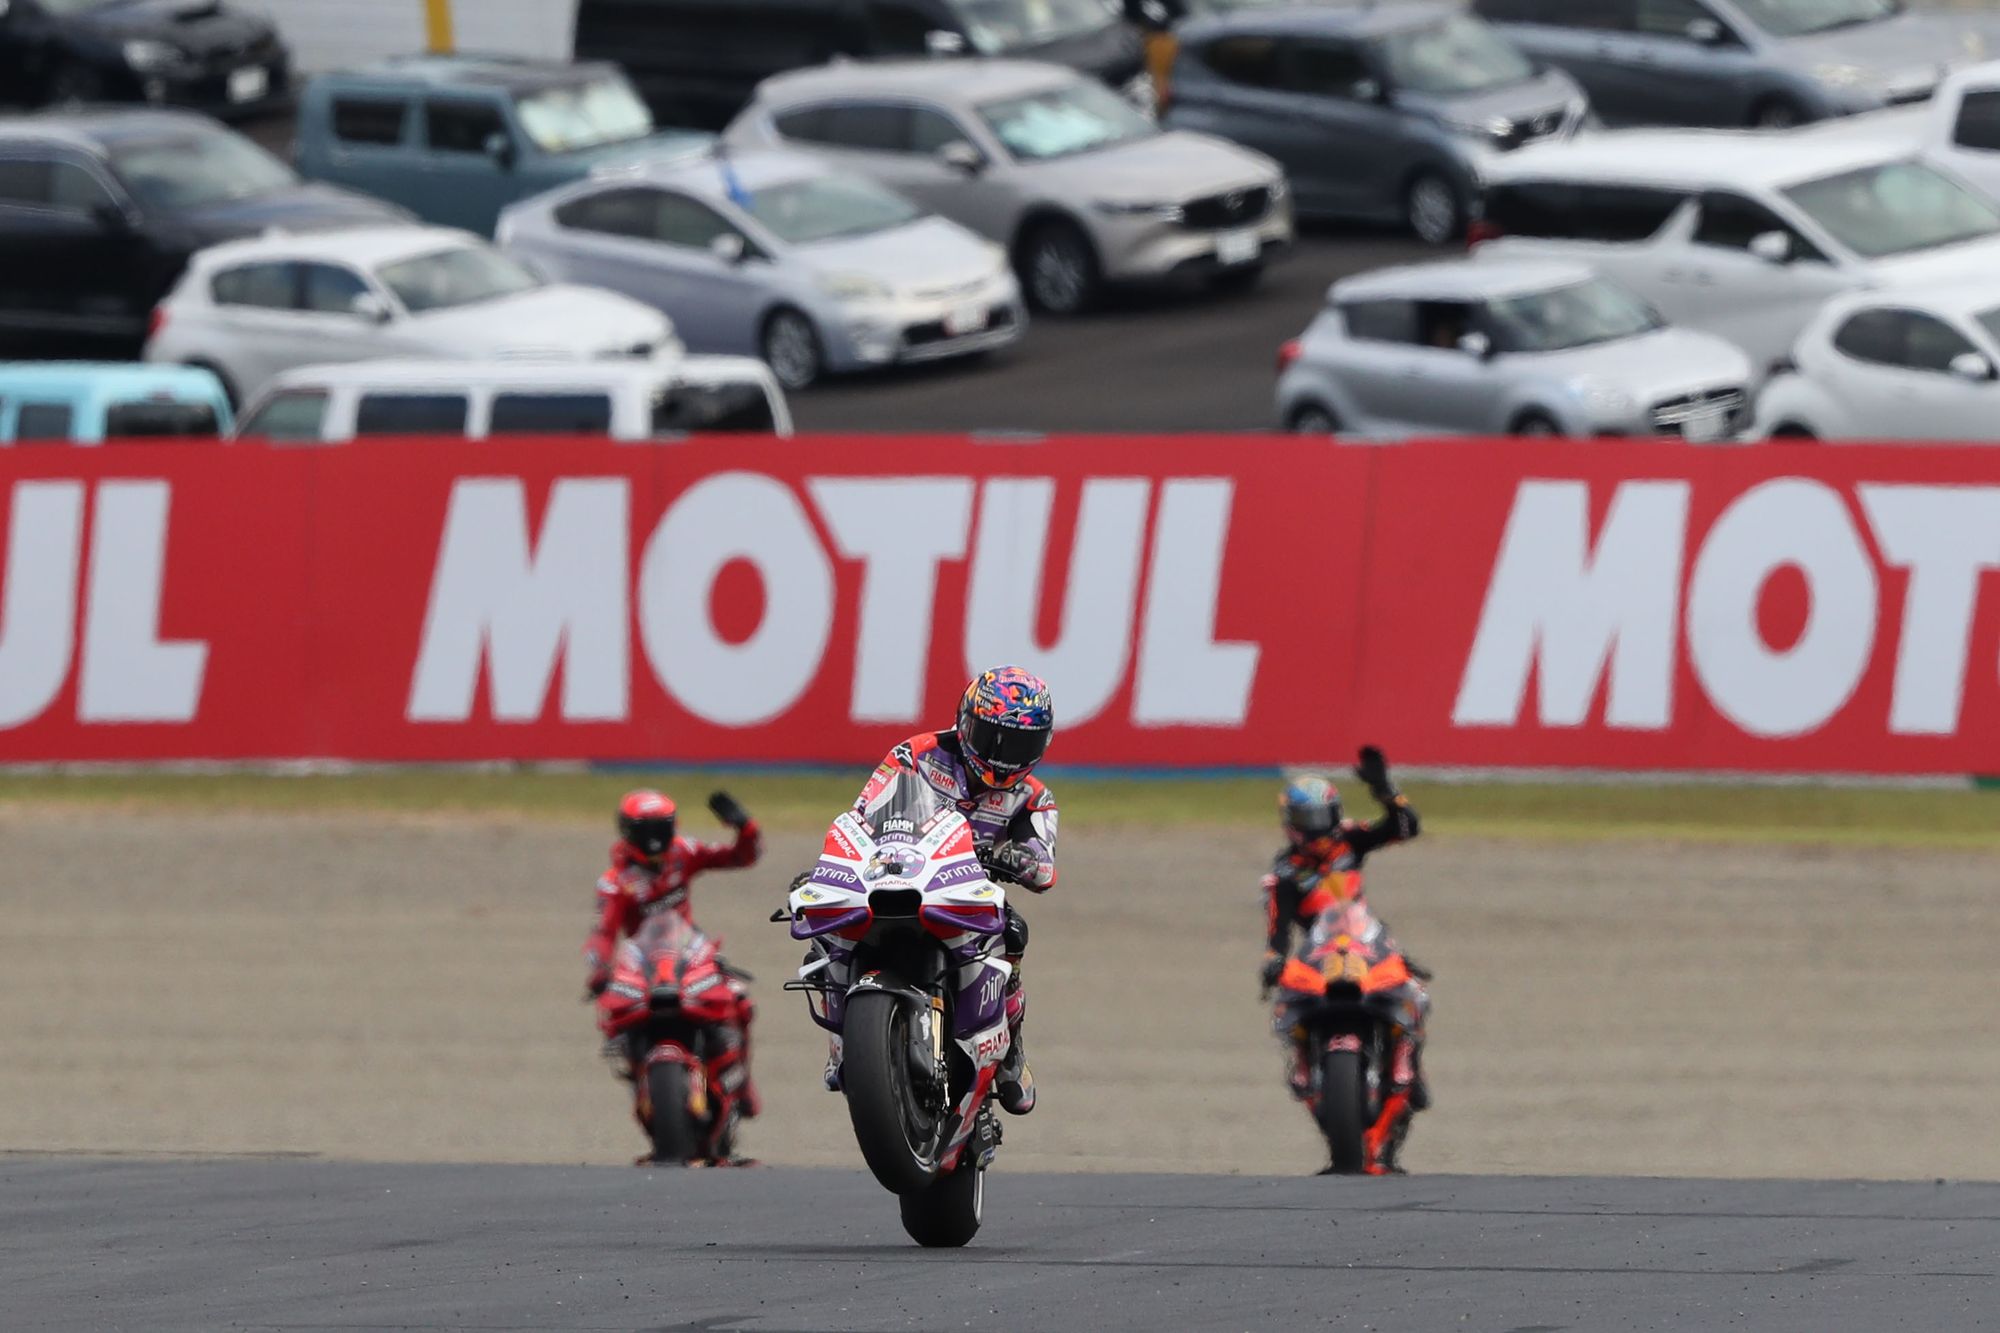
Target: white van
1741,234
625,400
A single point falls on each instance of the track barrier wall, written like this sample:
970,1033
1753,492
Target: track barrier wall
1194,601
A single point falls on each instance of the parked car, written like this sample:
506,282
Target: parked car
1909,364
253,309
208,56
1740,234
698,61
81,402
1958,130
769,252
455,138
624,400
100,210
1761,63
1380,113
1080,188
1513,349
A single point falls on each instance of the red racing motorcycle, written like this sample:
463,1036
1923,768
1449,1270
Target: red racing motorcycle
670,1019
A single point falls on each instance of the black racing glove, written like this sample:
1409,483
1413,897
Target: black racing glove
1373,770
1010,861
727,810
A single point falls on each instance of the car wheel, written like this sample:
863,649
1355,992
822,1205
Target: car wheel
1777,113
1792,430
1312,419
1536,424
1433,209
791,349
75,85
1059,268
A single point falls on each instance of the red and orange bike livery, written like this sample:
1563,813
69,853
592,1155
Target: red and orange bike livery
1352,1007
671,1013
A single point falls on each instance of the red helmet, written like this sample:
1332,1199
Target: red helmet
646,823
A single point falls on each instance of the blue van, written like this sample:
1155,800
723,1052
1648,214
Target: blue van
456,138
79,402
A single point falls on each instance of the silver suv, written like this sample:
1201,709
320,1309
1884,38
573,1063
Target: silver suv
1080,188
1506,349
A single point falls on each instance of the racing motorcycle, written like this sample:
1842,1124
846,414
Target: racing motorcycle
903,928
669,1013
1348,998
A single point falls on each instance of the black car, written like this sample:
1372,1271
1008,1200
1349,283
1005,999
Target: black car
696,62
185,53
99,211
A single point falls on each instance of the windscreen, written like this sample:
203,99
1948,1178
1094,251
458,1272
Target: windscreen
1459,55
197,171
1797,18
997,26
1895,209
829,208
449,278
585,115
1064,121
903,810
1575,316
153,417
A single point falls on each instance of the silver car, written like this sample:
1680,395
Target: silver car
1506,349
770,253
1080,188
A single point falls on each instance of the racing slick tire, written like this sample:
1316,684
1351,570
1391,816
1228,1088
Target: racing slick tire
898,1137
945,1214
1343,1110
673,1131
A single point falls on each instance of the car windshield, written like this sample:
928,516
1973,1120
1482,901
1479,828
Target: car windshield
197,171
74,6
465,275
1062,122
1896,209
1459,55
1990,321
828,208
1578,315
997,26
583,115
1796,18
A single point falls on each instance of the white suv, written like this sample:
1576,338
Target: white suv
1739,234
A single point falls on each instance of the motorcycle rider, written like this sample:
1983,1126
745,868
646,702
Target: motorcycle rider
1321,868
983,764
651,870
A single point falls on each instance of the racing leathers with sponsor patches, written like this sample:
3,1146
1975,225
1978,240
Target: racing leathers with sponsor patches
1319,870
1014,834
635,887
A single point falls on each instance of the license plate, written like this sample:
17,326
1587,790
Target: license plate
1237,247
249,83
963,319
1702,428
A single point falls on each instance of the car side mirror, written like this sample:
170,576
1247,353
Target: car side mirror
369,306
1972,367
729,248
1706,32
500,148
1773,247
939,42
962,157
1476,344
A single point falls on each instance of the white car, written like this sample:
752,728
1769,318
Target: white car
250,310
1744,235
619,400
1910,364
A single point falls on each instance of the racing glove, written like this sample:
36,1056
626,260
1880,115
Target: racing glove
725,808
1010,861
1373,770
1267,974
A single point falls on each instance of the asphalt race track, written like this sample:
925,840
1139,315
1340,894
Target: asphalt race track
301,1244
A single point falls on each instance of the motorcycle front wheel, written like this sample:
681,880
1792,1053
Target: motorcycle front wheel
1343,1110
945,1214
673,1131
899,1138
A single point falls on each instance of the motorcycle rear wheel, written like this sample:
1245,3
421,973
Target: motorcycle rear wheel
675,1136
1343,1110
898,1139
945,1215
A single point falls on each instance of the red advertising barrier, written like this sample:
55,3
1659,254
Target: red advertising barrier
1204,601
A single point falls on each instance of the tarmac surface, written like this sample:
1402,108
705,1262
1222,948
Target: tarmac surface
287,1244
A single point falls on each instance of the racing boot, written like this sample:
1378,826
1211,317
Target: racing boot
1015,1084
1384,1139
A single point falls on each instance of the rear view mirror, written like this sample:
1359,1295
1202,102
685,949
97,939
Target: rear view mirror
501,149
369,306
939,42
1773,247
1706,32
1973,367
962,157
1476,344
729,248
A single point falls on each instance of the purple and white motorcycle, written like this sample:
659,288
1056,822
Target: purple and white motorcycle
904,969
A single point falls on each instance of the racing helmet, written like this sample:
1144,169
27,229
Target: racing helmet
1310,807
1004,724
646,823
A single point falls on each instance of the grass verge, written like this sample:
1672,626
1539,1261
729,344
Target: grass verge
1834,816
